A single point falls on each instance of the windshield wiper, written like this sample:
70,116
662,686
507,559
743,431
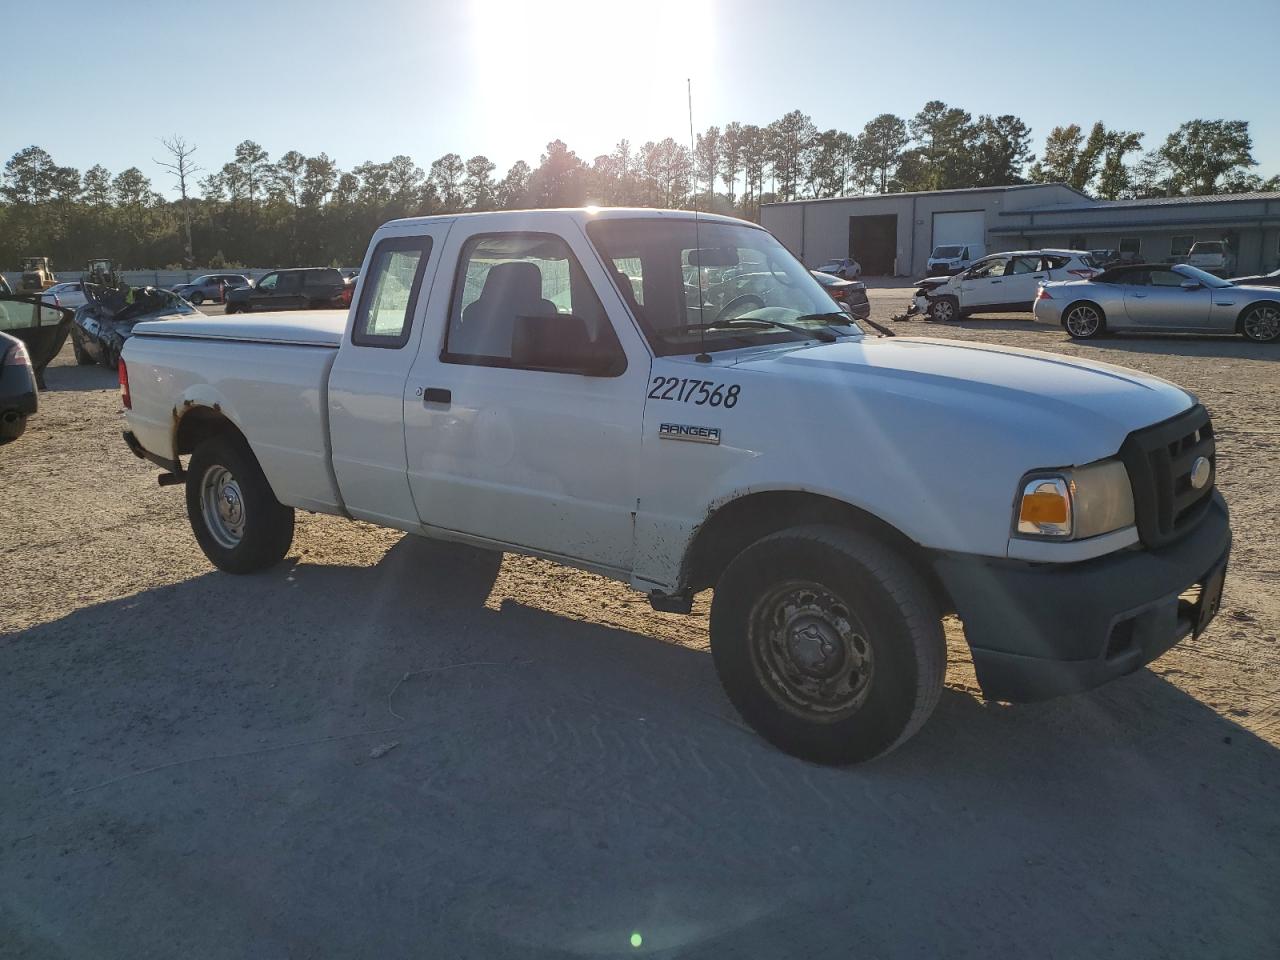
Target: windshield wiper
826,336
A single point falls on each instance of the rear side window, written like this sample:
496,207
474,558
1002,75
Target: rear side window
1024,265
1054,262
390,294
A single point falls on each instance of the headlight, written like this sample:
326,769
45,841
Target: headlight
1075,504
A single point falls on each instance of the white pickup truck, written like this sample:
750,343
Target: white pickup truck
595,387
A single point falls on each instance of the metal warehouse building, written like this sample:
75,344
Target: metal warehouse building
893,234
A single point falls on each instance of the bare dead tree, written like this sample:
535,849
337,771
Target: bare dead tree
182,167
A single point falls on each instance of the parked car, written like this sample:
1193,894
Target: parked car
950,259
65,294
1159,297
845,268
850,293
1000,283
1271,279
4,285
101,327
19,397
212,286
303,288
524,399
41,326
1215,256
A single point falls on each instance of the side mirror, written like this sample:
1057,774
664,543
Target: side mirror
1191,284
560,343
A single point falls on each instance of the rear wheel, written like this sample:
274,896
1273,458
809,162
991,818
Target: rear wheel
828,643
237,520
1261,323
1083,321
944,309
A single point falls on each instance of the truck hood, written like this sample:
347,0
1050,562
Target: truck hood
1097,402
322,328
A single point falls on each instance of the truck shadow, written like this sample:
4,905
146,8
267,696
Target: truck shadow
196,764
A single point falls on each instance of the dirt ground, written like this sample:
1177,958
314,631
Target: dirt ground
377,751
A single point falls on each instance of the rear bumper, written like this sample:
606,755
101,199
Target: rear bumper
1042,630
1046,312
142,453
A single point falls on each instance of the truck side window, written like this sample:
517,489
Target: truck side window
385,314
504,277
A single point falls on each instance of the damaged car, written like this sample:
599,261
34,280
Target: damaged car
106,321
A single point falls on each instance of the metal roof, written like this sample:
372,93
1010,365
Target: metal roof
1092,205
930,193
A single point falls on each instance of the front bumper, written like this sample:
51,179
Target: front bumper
1042,630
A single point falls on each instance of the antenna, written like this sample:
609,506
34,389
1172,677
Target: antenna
703,356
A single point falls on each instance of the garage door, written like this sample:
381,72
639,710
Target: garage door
963,226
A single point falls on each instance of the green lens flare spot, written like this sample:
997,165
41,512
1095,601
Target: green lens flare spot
636,940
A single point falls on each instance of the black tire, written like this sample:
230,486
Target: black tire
863,585
83,357
255,530
1260,323
944,309
1084,321
196,299
231,308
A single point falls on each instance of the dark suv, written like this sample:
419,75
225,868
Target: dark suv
304,288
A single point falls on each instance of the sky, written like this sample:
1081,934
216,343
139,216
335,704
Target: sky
369,80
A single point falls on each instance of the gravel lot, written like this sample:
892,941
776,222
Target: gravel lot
200,765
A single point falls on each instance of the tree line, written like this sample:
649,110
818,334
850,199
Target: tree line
297,209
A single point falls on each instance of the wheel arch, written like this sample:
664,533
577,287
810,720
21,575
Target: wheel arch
198,422
741,521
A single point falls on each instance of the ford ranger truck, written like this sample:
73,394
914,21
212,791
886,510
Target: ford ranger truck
593,386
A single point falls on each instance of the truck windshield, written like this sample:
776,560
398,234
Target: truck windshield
946,253
742,272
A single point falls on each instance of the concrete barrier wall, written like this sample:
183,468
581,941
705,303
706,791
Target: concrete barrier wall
157,278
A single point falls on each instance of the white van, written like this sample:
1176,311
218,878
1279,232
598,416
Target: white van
948,259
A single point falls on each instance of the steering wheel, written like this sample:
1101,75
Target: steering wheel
749,301
782,278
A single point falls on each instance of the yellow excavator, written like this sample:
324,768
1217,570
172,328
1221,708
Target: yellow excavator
37,274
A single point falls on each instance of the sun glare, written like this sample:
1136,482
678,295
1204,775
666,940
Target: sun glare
588,72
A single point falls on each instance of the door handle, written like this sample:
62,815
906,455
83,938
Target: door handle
997,281
437,395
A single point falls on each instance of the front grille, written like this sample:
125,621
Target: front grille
1160,459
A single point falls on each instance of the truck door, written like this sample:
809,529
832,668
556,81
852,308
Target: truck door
367,382
523,410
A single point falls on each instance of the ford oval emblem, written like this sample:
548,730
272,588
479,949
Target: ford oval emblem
1200,471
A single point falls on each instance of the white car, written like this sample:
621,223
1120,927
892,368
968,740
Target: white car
951,258
68,294
1212,255
499,382
846,268
1000,283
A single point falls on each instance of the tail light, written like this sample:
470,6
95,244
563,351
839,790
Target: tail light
124,385
1043,294
56,301
17,357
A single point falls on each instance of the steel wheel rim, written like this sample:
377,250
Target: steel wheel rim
810,651
222,506
1082,322
1262,323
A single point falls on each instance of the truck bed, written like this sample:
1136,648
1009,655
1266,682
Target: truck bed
321,328
269,373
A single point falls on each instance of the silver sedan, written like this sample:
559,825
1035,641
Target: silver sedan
1159,298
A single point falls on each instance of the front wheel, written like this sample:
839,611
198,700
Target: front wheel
944,309
196,299
828,643
237,520
1083,321
231,308
83,356
1261,323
